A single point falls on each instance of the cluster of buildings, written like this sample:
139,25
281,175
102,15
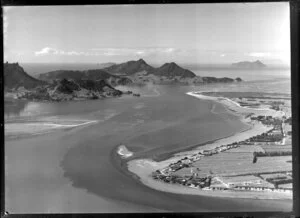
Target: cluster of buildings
190,181
268,120
249,188
166,174
255,183
275,135
251,183
276,105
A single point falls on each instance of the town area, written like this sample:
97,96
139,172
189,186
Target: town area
259,163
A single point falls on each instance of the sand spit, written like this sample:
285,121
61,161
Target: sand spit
124,152
41,127
236,107
143,168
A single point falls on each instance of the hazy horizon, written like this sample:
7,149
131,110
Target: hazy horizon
190,34
270,64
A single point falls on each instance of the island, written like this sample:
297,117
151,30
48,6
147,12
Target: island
249,65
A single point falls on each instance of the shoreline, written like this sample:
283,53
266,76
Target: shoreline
143,168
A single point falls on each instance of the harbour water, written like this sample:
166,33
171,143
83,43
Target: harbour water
164,119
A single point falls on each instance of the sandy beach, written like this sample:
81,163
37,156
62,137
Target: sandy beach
234,106
143,168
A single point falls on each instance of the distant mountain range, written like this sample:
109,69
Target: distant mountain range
139,72
99,83
105,65
249,64
136,72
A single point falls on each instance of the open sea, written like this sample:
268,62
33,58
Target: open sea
163,120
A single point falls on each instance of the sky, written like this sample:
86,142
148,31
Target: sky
185,33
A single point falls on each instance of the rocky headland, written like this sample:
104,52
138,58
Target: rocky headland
19,85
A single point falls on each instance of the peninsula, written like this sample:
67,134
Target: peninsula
255,163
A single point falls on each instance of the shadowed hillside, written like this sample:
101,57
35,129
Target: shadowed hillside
15,77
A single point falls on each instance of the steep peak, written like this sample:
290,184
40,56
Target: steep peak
172,64
15,76
141,61
130,67
172,70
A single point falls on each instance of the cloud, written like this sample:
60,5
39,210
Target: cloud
45,50
140,52
133,51
5,26
258,54
53,51
107,52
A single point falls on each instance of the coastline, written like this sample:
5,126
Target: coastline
143,168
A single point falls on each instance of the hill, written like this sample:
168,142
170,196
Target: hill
15,77
249,64
129,68
105,65
173,70
67,89
97,74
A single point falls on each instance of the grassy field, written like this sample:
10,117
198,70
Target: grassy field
289,185
247,94
272,148
245,148
274,175
287,127
227,163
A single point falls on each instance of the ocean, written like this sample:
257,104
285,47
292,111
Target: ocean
59,163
